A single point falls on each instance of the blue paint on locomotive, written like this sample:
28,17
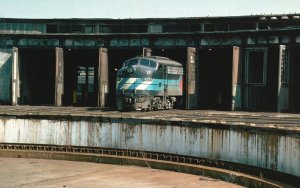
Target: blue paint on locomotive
148,83
155,84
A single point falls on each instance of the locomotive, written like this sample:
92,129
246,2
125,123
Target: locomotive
149,83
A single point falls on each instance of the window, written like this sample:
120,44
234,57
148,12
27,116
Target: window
90,29
154,28
77,28
195,27
144,62
132,62
242,26
64,29
148,63
129,29
142,28
175,27
152,64
91,77
104,29
256,66
221,27
209,27
116,29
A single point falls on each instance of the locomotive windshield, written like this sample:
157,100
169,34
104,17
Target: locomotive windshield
131,62
144,62
148,63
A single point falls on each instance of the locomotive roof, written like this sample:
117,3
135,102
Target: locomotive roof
163,60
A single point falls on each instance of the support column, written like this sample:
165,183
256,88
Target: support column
59,76
191,79
15,88
236,79
103,77
283,80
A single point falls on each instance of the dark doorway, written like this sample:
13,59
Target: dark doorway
215,79
37,76
81,77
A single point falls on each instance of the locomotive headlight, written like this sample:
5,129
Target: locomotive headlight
130,69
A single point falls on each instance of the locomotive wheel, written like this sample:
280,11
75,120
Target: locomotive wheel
160,104
168,104
155,104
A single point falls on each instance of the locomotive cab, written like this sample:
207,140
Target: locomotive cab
145,83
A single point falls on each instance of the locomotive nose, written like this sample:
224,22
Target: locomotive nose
130,69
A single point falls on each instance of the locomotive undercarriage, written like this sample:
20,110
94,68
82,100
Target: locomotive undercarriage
142,102
159,103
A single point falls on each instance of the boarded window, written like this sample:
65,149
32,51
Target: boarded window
242,26
175,27
221,27
51,28
129,29
65,29
209,27
195,27
142,28
77,28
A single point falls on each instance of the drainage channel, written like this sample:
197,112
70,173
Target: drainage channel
247,176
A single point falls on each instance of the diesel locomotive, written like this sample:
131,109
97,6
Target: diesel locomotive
149,83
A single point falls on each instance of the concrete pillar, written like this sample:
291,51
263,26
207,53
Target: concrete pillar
236,79
59,76
103,77
191,79
15,88
283,79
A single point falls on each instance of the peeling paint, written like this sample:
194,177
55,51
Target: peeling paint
270,150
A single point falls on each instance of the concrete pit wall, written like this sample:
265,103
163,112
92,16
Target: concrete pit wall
272,150
5,75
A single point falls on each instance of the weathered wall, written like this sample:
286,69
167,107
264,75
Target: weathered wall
263,149
5,74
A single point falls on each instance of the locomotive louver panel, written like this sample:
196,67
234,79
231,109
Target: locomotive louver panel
175,70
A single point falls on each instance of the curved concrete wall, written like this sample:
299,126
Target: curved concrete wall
264,149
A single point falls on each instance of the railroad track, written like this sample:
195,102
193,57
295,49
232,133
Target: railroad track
248,176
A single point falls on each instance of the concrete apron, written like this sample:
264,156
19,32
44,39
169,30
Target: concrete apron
225,175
